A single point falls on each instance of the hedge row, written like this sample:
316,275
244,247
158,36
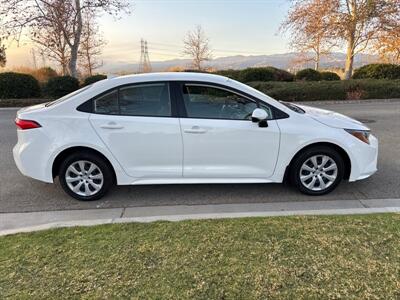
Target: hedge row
378,71
18,86
333,90
257,74
274,74
274,82
15,85
313,75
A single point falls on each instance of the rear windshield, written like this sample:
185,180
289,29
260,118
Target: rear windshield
66,97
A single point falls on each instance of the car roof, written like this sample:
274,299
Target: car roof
170,76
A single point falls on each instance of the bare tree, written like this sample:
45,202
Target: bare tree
388,43
91,46
308,25
50,37
197,46
3,57
34,15
359,22
354,22
388,46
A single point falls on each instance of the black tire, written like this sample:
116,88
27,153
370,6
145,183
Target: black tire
303,156
101,163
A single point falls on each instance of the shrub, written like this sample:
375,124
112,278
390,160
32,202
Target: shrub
257,74
195,71
378,71
282,75
17,85
60,86
92,79
330,90
329,76
230,73
44,74
308,75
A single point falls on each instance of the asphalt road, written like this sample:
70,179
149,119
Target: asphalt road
22,194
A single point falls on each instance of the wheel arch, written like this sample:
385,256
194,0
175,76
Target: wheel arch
343,153
76,149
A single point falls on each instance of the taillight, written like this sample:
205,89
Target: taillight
26,124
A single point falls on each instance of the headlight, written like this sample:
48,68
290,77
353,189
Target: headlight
362,135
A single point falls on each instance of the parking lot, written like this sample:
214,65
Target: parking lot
21,194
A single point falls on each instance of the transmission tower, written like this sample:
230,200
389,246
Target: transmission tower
144,65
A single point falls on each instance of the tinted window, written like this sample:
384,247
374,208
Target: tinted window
107,104
214,103
145,100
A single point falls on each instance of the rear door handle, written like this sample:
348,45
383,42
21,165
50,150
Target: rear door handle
111,125
195,129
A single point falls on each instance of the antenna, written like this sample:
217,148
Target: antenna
144,65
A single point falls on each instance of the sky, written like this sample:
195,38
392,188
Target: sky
247,27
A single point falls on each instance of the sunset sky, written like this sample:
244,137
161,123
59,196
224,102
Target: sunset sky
248,27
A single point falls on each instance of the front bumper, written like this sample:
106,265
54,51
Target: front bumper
364,160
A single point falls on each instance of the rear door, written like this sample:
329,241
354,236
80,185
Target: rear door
219,138
138,124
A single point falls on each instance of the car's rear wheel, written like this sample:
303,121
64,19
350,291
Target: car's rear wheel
317,170
85,176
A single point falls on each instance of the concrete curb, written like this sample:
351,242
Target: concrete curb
119,215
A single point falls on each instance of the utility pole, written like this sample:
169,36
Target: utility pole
144,65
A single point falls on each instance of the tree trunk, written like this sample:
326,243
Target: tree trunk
348,70
77,39
317,59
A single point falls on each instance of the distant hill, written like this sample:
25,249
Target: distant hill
282,61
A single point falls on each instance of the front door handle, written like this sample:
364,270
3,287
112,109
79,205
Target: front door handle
195,129
111,125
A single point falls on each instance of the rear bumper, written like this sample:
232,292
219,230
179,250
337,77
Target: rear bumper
29,155
365,160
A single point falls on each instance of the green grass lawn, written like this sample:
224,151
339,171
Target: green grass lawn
283,257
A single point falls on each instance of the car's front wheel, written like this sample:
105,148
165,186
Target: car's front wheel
317,170
85,176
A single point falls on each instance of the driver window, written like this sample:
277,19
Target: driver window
213,103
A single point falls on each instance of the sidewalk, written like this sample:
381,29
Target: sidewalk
11,223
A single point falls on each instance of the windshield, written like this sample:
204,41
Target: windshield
247,87
293,107
66,97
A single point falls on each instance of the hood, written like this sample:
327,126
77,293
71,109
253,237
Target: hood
332,119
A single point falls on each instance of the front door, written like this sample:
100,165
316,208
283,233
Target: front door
219,138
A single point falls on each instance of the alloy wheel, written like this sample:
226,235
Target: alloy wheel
318,172
84,178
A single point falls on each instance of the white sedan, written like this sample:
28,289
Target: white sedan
173,128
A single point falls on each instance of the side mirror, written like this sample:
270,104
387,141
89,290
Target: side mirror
260,116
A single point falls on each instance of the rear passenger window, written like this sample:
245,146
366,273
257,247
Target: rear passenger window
107,104
150,100
145,100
